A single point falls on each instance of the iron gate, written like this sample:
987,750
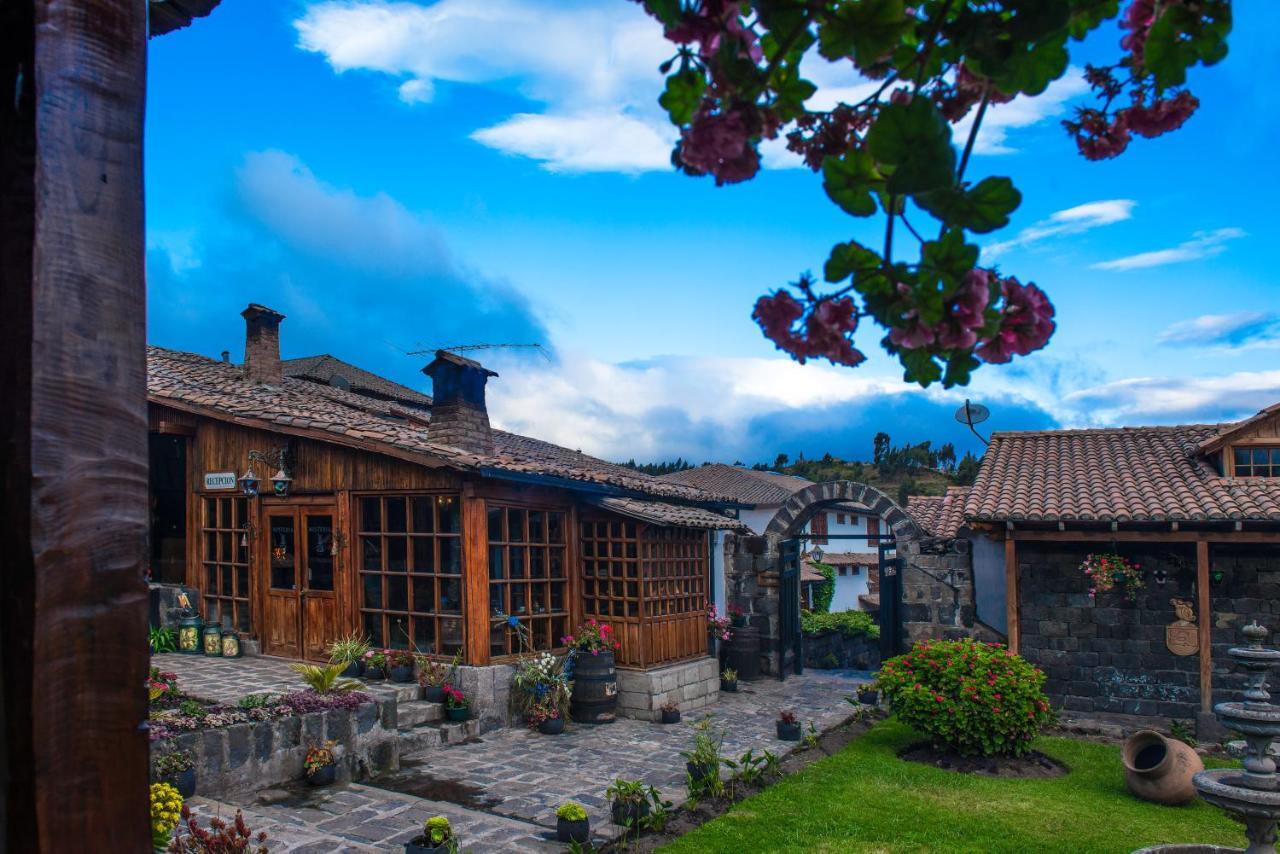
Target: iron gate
790,636
890,600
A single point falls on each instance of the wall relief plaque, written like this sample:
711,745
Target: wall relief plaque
1181,636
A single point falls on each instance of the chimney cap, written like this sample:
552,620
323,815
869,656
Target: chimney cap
256,310
450,357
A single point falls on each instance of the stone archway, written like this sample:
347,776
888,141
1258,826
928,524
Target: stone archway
801,506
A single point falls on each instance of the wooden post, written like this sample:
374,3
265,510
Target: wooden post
1011,591
73,426
475,577
1204,622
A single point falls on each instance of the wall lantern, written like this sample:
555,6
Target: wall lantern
249,482
280,483
213,639
231,644
816,554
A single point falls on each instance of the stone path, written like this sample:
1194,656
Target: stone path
500,792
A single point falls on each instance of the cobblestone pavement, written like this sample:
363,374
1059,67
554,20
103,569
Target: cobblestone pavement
226,680
500,792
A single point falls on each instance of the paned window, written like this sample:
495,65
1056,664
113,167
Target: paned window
610,570
528,576
410,559
224,555
675,571
1257,462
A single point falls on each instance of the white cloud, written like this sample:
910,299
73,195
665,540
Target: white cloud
1165,400
599,142
1237,330
1073,220
1204,244
1021,112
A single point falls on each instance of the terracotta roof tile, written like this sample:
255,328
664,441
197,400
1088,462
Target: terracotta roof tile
743,484
940,515
325,369
670,514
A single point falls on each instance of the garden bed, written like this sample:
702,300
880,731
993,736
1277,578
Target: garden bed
1033,764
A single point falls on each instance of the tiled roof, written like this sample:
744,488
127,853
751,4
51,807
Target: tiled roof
940,515
301,407
324,368
1123,474
745,485
851,558
663,513
1222,437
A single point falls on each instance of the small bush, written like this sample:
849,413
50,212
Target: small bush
971,698
850,624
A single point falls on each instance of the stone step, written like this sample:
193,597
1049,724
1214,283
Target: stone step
415,713
433,735
403,692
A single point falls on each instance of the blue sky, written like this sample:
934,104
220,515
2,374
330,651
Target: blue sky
396,176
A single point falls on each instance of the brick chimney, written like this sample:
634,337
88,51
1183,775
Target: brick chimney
262,345
458,414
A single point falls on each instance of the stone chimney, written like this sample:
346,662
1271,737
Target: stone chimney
262,345
458,414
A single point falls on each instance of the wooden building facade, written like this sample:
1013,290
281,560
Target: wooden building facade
388,532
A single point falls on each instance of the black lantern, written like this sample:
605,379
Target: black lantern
816,554
280,483
249,482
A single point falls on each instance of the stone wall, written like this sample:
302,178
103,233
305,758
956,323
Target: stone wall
693,685
489,689
751,568
249,756
1109,655
832,650
937,592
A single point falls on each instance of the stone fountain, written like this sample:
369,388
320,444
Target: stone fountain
1253,794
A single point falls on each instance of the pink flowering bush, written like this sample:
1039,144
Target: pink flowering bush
1107,572
593,637
970,698
717,625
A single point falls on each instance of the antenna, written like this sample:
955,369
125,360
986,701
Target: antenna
463,348
971,414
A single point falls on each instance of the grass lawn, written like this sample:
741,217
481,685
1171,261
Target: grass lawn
866,799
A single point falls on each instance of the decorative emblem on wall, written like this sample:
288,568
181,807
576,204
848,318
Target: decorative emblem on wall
1181,636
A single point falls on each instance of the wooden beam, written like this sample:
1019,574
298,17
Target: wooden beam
1182,536
475,577
1012,629
1205,625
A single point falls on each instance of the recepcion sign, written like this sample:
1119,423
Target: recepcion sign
219,480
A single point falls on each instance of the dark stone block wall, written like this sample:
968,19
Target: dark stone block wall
832,650
1108,655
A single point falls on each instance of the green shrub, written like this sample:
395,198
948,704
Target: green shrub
825,590
851,624
971,698
571,811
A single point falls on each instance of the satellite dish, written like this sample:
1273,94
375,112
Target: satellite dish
971,414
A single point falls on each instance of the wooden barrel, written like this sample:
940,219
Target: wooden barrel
595,689
742,652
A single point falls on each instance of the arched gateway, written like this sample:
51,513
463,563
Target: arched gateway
800,507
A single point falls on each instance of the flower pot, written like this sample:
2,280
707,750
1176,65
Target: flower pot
374,672
671,717
402,673
789,732
868,696
184,782
354,669
324,775
729,686
702,770
1160,769
457,713
573,831
551,726
433,693
421,845
629,813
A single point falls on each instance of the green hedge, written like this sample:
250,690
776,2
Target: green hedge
826,590
851,624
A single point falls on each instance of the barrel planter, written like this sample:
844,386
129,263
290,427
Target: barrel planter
742,652
595,689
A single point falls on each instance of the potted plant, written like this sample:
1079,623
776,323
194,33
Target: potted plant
629,801
349,650
594,698
320,763
572,823
400,665
788,726
179,768
729,680
437,835
671,712
433,674
868,695
456,705
702,763
375,664
737,619
166,805
546,718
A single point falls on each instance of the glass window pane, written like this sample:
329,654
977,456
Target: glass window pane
225,587
537,526
397,593
371,548
372,590
538,598
211,577
1275,457
320,549
515,525
450,556
557,598
515,558
447,512
224,513
451,595
423,554
242,616
555,527
1260,456
424,634
423,514
242,582
283,573
373,629
424,595
495,525
396,521
397,632
557,563
370,514
497,562
450,636
397,554
497,599
519,599
537,563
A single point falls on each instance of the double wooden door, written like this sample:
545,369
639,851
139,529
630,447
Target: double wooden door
302,579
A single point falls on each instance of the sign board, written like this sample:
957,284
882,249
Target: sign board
219,480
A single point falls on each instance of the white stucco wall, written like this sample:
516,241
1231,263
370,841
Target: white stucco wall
848,589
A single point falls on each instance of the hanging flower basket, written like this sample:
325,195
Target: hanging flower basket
1111,572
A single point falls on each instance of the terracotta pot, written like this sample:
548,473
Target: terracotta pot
1160,769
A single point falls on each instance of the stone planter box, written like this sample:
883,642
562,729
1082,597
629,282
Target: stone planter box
832,650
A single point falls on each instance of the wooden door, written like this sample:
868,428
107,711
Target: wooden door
301,603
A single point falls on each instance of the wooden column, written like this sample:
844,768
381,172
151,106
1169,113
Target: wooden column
475,577
1013,631
73,426
1204,622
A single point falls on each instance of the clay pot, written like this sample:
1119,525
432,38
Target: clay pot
1160,769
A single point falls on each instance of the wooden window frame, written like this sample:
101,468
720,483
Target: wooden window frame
549,626
1250,470
225,538
435,579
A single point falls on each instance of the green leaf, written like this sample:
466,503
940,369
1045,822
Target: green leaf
1181,37
982,208
946,260
848,258
920,367
915,140
867,30
849,181
683,94
666,11
1086,15
1031,71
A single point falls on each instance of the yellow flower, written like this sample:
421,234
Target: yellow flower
166,806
